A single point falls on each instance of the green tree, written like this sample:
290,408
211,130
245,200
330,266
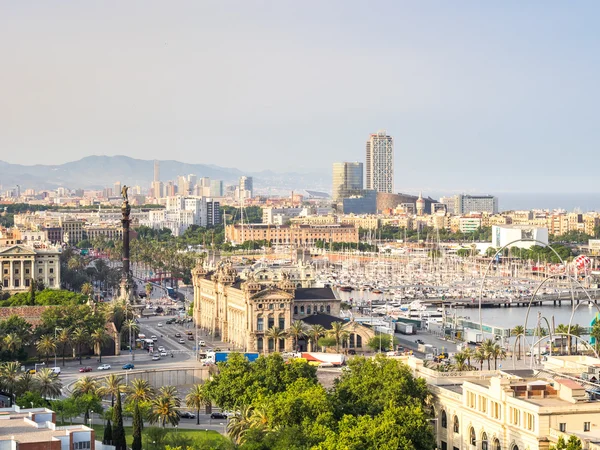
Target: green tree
164,410
372,384
397,427
595,333
459,361
112,385
32,293
196,398
574,443
107,439
46,347
296,331
314,333
80,338
118,431
47,383
338,333
519,332
98,339
480,356
275,334
63,339
137,428
326,342
383,342
9,377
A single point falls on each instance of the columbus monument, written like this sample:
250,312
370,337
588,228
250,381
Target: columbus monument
126,293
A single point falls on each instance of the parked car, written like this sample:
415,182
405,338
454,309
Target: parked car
218,415
85,369
128,366
182,341
187,415
352,352
104,367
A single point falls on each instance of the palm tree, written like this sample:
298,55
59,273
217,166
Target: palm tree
46,346
276,334
563,331
98,338
259,418
112,385
469,353
9,377
488,346
86,385
576,330
595,333
296,331
63,339
170,392
47,383
11,343
480,356
196,398
163,409
87,289
239,424
315,332
497,352
337,331
459,361
519,332
80,337
24,384
130,325
139,391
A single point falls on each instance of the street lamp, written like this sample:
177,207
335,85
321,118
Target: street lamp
91,418
175,429
55,348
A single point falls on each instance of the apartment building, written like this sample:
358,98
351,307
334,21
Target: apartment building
298,234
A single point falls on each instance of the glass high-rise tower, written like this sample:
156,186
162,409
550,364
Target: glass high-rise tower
380,162
347,179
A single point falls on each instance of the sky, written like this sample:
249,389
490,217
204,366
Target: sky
479,96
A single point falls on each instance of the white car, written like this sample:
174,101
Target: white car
202,343
155,357
161,349
104,367
159,324
154,338
163,353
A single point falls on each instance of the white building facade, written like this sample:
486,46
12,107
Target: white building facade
380,162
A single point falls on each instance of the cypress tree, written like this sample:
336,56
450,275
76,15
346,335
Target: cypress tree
118,430
32,293
107,439
137,428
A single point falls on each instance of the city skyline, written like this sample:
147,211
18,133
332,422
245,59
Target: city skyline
481,90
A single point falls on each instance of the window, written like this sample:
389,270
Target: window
295,310
471,400
444,419
271,305
328,309
81,445
281,322
497,444
562,427
586,426
281,306
484,442
496,410
51,270
271,345
40,270
302,310
528,421
26,271
358,341
260,344
444,445
456,426
472,437
482,404
322,308
5,271
271,322
259,323
260,306
514,416
281,345
308,310
515,447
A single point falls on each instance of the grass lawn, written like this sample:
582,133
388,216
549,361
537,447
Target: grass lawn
196,436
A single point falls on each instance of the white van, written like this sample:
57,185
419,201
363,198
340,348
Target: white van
55,370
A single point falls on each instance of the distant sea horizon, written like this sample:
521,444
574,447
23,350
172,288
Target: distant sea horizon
507,201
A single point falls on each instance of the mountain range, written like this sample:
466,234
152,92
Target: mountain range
97,172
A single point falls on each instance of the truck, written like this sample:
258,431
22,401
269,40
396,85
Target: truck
335,359
472,336
405,328
216,357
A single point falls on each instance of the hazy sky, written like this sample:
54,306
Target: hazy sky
478,95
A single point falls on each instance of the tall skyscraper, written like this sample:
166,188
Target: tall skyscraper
156,171
246,187
347,179
380,162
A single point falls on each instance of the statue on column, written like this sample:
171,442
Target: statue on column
124,193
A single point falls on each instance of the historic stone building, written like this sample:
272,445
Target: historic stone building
20,264
240,311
